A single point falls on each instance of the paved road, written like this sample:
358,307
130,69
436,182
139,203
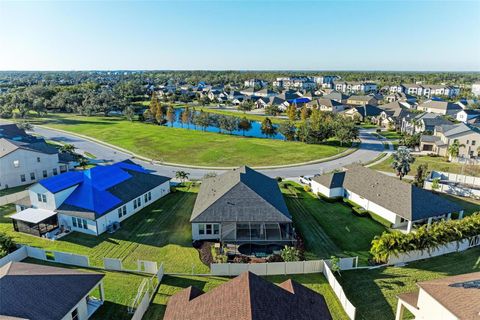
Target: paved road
369,149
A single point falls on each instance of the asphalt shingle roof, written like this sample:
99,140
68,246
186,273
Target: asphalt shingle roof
241,194
249,297
38,292
403,198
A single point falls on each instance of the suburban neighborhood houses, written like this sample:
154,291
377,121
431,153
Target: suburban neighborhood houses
240,160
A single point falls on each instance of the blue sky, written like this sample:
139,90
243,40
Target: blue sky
234,35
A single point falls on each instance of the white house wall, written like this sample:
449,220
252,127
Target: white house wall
54,200
375,208
197,236
429,308
10,175
100,225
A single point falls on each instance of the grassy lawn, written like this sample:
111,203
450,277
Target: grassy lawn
330,228
390,134
171,285
374,292
249,116
434,163
161,232
120,289
203,148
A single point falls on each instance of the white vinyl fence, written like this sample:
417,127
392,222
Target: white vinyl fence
9,198
441,250
145,294
349,308
457,184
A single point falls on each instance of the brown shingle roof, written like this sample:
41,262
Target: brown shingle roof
248,297
459,294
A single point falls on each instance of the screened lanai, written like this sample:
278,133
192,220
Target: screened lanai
256,231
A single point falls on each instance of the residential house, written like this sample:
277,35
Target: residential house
362,113
298,83
38,292
252,92
440,107
254,83
326,105
249,297
337,96
450,298
393,114
476,89
325,81
467,135
362,100
468,114
401,96
355,87
241,206
468,103
419,123
25,159
88,201
398,202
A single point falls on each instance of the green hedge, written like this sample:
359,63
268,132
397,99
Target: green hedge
425,238
329,200
360,212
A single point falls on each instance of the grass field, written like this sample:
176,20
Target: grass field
374,291
172,284
330,228
203,148
434,163
161,232
120,289
390,134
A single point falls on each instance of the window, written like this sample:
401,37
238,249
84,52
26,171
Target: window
146,198
124,209
55,172
44,198
16,163
119,212
216,229
149,196
208,229
201,229
39,197
38,159
22,177
32,175
74,221
473,142
74,314
135,204
45,174
139,201
85,225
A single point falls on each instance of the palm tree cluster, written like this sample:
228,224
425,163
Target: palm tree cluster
425,238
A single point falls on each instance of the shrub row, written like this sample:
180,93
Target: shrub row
424,238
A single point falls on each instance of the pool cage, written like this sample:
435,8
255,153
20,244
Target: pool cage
258,232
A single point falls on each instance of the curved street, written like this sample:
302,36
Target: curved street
370,147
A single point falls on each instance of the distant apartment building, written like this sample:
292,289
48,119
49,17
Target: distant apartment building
476,89
362,100
440,107
299,83
355,87
325,81
426,90
25,159
254,83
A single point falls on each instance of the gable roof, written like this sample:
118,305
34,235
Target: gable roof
101,189
457,129
326,102
241,194
8,146
39,292
367,110
335,95
249,297
403,198
458,294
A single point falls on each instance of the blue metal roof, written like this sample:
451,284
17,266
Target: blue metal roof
91,193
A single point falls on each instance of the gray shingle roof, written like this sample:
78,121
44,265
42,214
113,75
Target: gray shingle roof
7,146
39,292
403,198
241,194
333,180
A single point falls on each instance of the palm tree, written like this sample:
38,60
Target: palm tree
182,175
454,149
401,161
67,148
